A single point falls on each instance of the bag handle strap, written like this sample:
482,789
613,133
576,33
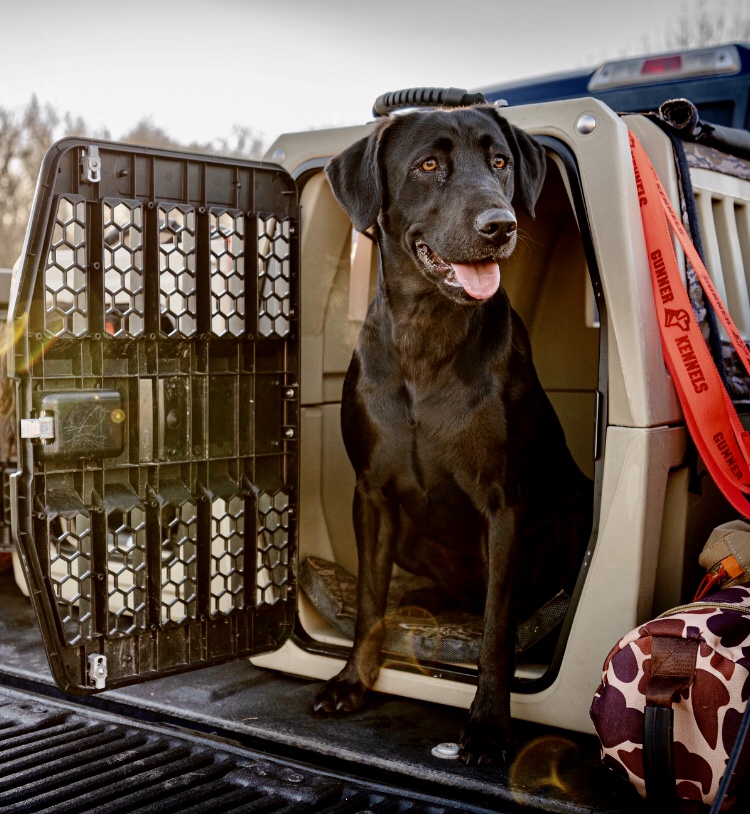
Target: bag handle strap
712,420
672,671
732,762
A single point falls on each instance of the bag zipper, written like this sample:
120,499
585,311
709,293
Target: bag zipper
718,605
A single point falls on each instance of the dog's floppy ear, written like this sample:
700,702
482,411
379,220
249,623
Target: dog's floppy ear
530,166
355,178
529,159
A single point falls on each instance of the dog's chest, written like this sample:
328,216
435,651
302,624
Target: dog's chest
436,457
450,427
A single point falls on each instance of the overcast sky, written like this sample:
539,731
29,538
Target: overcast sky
197,67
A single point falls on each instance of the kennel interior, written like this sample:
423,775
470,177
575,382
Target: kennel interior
547,280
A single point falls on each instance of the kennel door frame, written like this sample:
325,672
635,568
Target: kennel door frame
156,335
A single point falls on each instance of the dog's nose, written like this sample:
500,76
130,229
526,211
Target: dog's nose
496,224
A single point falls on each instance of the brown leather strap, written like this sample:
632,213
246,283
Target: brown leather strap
672,671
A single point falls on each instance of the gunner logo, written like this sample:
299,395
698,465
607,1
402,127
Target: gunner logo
680,318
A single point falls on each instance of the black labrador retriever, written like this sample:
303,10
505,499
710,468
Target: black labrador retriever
463,473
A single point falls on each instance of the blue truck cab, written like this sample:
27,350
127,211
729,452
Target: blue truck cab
716,80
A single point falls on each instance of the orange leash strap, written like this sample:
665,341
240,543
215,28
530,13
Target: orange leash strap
711,418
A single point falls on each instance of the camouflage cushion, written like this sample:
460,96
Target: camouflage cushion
453,636
412,632
706,716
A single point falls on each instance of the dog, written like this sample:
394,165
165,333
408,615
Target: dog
462,469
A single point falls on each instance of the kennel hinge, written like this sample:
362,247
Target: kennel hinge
91,165
98,670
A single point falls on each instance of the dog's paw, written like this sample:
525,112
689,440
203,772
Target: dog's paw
485,744
340,695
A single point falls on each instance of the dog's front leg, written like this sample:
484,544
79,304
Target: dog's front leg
487,736
375,519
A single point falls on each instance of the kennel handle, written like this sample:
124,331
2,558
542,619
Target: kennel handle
424,97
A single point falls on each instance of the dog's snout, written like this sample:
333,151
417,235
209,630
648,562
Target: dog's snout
496,224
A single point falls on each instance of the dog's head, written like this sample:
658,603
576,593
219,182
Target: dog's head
444,186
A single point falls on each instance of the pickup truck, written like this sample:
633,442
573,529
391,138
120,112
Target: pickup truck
181,326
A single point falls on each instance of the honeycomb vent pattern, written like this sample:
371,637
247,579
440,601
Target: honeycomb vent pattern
179,566
227,554
273,547
273,277
65,277
177,281
123,267
126,571
71,578
227,272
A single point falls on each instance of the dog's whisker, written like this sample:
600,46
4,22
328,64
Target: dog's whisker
525,238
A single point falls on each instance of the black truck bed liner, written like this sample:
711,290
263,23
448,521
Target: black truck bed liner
388,743
57,757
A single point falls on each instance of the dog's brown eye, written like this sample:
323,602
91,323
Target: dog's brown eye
498,162
429,165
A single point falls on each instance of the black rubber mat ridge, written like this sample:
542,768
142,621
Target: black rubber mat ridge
63,759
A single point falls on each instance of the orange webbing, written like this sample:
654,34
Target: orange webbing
709,413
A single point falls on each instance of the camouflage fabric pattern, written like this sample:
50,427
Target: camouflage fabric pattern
703,157
708,158
453,636
706,716
695,290
737,377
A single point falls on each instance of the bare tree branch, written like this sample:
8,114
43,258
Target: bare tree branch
698,26
24,139
26,135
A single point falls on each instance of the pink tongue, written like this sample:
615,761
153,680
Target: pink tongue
480,280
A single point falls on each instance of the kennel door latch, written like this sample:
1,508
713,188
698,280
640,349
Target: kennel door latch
38,429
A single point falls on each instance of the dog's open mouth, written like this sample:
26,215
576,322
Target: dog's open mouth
479,279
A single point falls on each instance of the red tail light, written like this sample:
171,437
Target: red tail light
714,61
662,65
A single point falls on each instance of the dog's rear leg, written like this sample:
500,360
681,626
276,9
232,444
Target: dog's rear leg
375,526
487,736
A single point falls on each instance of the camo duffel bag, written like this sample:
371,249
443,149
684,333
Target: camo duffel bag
672,696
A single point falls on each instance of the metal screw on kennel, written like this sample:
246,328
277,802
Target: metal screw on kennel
585,124
446,751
